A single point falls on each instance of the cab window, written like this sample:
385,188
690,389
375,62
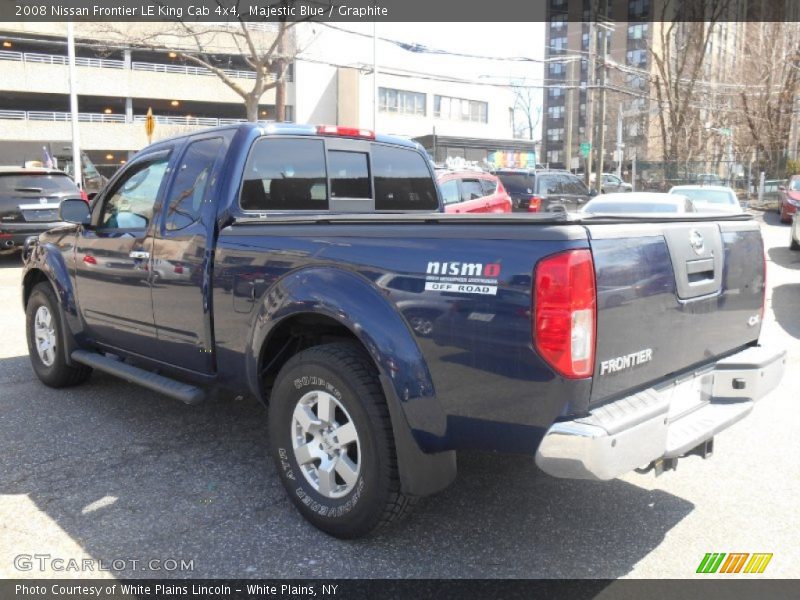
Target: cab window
285,174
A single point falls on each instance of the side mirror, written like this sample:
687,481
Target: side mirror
592,192
74,210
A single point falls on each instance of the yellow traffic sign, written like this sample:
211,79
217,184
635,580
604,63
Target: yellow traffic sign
149,124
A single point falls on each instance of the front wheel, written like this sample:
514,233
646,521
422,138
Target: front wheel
331,440
45,335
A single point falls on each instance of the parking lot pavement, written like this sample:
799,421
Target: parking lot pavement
109,471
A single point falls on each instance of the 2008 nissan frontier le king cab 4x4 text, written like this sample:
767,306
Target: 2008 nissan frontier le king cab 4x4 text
310,267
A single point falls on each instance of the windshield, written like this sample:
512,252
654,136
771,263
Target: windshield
36,183
795,185
517,183
709,196
630,207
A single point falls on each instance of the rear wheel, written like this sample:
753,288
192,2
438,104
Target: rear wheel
793,243
45,335
331,439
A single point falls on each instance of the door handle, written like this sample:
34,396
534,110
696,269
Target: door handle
139,254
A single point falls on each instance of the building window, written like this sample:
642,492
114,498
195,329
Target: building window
459,109
558,23
555,135
637,58
556,68
558,3
554,156
638,8
401,102
638,31
555,92
585,41
555,112
558,45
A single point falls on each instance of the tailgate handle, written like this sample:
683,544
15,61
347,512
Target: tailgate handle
700,270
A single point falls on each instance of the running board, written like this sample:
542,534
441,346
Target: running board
152,381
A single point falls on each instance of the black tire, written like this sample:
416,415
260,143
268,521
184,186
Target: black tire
793,243
58,374
344,371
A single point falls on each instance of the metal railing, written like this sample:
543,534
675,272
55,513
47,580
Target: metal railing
61,116
108,63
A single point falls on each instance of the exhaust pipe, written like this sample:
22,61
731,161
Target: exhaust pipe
8,244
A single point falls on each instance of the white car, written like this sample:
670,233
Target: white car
710,198
638,203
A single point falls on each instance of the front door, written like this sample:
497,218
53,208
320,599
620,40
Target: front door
113,258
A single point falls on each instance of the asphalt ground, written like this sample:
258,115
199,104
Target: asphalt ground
111,472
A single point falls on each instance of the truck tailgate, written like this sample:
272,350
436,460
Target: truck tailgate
672,295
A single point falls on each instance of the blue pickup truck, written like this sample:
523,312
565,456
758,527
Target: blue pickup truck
312,268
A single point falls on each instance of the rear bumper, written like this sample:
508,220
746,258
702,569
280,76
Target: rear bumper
14,234
663,422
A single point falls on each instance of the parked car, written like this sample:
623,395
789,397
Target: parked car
710,198
472,192
611,184
790,198
29,199
366,407
709,179
640,202
544,190
794,234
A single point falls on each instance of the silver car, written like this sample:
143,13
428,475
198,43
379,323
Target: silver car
710,198
638,203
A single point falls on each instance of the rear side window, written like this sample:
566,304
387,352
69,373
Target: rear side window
471,189
285,174
39,183
450,192
549,184
572,185
191,182
402,180
349,174
489,186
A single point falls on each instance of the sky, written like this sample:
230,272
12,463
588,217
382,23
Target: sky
485,39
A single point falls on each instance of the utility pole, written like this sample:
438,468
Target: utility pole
572,82
619,142
77,170
605,26
590,82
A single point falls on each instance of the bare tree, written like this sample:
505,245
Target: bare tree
772,72
267,51
528,106
680,54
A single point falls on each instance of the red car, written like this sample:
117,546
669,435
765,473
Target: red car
790,199
472,192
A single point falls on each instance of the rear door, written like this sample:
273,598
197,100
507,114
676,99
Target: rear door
672,295
573,192
181,257
473,198
497,202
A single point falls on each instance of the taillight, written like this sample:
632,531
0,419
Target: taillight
534,204
564,309
84,196
345,131
179,268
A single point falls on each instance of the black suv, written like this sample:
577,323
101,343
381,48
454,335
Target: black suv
29,199
543,190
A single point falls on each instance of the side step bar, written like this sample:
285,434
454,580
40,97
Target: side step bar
184,392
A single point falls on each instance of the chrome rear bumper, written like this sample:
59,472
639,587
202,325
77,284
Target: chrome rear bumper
663,422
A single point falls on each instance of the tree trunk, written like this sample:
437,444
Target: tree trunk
280,96
251,106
